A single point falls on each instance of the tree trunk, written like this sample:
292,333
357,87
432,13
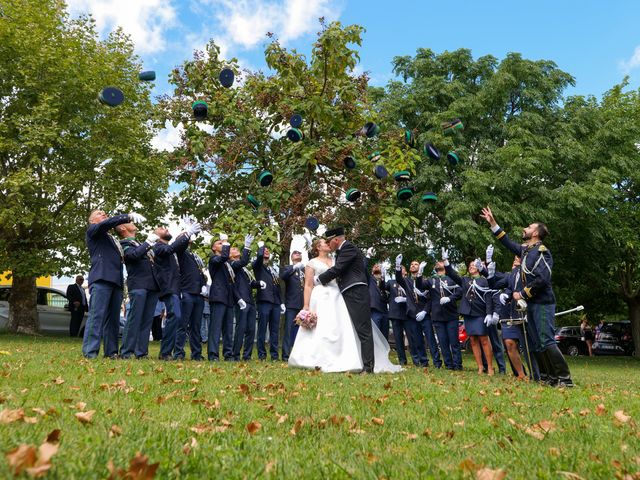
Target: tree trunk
23,311
634,316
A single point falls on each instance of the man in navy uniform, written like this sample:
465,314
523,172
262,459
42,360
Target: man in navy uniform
377,295
105,283
537,293
221,300
442,296
166,257
77,305
425,326
406,296
293,278
270,307
143,290
192,282
245,331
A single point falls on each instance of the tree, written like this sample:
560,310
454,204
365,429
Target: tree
62,153
219,159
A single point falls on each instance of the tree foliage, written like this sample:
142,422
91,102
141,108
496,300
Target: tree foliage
62,153
219,160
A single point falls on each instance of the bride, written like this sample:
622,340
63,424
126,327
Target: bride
333,345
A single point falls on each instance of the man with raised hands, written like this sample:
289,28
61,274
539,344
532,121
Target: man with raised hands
535,293
270,307
105,283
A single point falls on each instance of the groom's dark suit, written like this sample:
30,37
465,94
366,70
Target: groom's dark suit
351,276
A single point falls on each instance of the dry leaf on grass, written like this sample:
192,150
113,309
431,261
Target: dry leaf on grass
139,469
621,417
85,417
534,433
253,427
187,448
35,463
115,431
489,474
571,475
10,416
296,427
600,409
377,421
282,418
58,381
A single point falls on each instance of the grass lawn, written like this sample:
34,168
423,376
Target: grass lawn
195,419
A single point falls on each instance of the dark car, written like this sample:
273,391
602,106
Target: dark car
570,341
614,339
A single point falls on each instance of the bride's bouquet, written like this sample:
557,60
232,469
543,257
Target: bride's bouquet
306,319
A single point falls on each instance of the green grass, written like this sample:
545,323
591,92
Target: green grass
437,424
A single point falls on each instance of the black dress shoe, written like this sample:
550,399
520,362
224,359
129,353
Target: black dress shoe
166,358
366,372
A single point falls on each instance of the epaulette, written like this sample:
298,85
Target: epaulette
542,248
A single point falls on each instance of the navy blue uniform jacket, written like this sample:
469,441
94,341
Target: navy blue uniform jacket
245,282
294,287
141,269
106,259
167,264
438,287
476,302
191,277
271,293
222,281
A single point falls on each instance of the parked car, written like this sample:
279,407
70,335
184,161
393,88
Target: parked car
614,339
53,310
570,341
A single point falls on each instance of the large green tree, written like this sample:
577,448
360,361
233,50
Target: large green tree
219,159
533,155
62,153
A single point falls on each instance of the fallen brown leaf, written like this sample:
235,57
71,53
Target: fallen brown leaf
58,381
489,474
282,418
571,475
377,421
187,448
554,452
296,427
534,433
621,417
54,436
85,417
21,458
600,409
10,416
139,469
253,427
115,431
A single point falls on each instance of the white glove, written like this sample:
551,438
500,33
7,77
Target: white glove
194,229
224,237
421,268
444,300
225,243
263,285
418,292
398,262
152,239
522,304
503,298
316,280
298,266
204,290
248,240
489,254
242,304
420,316
491,269
371,252
488,319
260,244
495,319
400,299
136,218
283,308
445,256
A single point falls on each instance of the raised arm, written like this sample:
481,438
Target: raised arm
106,225
453,274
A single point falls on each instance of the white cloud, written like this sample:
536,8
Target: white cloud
246,23
632,63
168,138
146,21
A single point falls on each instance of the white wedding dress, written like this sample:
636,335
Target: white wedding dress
333,345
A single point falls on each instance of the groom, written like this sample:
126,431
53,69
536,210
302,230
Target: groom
352,279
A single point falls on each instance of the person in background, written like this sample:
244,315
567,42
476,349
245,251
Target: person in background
77,305
586,334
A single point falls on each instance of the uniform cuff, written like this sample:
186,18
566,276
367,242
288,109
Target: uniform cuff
495,228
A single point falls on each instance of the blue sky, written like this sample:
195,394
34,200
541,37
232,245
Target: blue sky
598,42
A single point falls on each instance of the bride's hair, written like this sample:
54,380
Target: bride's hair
313,251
